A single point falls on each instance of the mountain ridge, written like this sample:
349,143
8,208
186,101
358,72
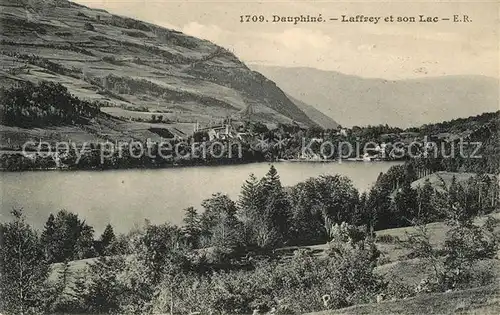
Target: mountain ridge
125,64
317,116
425,100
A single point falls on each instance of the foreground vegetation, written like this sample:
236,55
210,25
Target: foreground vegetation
483,300
230,259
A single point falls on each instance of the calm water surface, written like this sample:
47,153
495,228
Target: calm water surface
127,197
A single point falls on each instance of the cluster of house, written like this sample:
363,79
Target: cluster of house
225,131
408,137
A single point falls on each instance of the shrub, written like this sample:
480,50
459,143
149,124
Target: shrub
397,288
465,245
453,266
302,284
105,288
387,238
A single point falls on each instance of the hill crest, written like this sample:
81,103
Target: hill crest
127,65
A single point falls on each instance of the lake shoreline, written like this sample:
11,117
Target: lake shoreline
189,165
120,196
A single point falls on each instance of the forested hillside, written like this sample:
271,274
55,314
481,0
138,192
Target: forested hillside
127,65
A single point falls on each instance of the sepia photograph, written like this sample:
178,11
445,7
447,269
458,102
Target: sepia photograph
227,157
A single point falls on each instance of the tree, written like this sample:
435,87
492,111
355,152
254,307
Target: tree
66,237
379,204
160,250
271,181
405,206
464,245
219,225
354,257
84,247
79,294
307,218
426,211
258,127
273,221
251,207
319,203
107,240
104,289
192,227
338,197
362,214
465,242
47,103
277,217
48,239
23,267
457,203
248,201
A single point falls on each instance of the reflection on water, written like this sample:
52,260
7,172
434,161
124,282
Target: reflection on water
126,197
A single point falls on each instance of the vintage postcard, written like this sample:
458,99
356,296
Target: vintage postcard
249,157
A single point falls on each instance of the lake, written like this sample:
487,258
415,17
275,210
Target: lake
125,198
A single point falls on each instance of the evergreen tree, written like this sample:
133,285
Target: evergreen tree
379,199
405,204
23,268
278,216
250,197
48,239
426,211
192,227
251,207
274,222
107,240
84,247
66,237
271,180
458,202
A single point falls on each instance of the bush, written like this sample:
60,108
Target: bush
464,246
297,286
387,238
454,265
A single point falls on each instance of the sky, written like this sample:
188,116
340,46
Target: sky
382,50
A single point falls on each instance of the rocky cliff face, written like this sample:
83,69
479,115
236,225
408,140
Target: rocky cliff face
132,67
